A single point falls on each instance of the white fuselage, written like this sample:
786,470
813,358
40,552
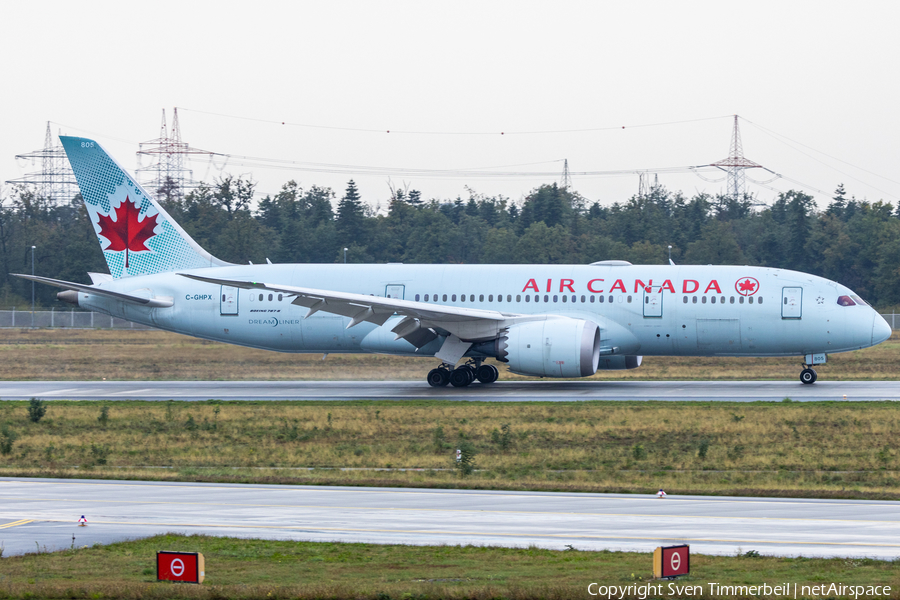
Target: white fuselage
650,310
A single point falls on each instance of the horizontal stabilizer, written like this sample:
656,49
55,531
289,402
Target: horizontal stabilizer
148,300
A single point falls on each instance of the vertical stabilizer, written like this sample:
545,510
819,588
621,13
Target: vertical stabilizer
137,236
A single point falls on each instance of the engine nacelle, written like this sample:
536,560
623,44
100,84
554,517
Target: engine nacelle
612,362
552,348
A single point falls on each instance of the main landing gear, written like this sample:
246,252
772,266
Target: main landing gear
808,375
462,375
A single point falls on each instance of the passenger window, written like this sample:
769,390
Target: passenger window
741,300
592,299
713,300
481,298
750,299
527,298
453,298
471,297
732,299
759,300
555,298
426,298
703,300
260,298
491,297
546,298
582,299
445,298
270,297
575,299
610,299
684,299
694,300
629,299
602,298
722,300
509,298
462,297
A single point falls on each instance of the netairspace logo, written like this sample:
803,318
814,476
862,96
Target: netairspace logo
787,590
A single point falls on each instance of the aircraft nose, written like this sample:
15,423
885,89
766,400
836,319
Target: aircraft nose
881,330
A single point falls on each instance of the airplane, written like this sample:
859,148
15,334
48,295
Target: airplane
540,320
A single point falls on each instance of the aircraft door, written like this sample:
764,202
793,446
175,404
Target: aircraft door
791,302
394,291
228,301
653,301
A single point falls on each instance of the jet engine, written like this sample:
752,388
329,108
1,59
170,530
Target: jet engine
551,348
613,362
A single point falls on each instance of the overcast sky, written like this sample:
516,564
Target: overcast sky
816,82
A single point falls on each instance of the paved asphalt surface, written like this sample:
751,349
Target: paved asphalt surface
554,391
44,513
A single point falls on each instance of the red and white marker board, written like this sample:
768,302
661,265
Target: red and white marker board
187,567
671,561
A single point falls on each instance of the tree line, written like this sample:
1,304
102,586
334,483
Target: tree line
854,242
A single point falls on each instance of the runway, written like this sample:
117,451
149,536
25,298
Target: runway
44,513
511,391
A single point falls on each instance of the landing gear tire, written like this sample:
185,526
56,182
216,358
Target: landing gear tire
487,374
808,376
462,376
438,377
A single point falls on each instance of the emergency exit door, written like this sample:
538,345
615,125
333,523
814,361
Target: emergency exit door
228,300
394,291
791,303
653,300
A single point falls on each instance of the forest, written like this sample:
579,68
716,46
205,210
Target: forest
856,243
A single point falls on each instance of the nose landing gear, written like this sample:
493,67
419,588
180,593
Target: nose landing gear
462,375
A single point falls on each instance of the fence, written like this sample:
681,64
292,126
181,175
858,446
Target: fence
71,319
893,319
76,319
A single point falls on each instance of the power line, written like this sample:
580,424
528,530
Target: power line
498,131
481,172
778,137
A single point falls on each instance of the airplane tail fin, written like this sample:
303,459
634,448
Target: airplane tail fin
136,234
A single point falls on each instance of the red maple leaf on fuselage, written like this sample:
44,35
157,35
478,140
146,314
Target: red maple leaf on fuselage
747,285
126,232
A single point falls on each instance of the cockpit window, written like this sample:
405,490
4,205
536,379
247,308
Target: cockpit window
859,300
846,301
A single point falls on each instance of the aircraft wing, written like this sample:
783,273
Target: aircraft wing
421,319
147,300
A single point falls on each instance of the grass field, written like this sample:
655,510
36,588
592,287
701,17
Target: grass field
60,354
272,569
844,450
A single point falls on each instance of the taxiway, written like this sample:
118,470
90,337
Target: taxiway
44,513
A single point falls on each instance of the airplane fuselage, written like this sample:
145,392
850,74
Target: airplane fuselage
649,310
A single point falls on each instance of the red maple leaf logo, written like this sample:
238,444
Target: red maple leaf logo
747,287
126,232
